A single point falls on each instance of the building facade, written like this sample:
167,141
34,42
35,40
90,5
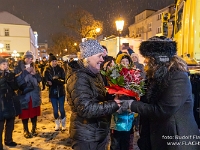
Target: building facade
17,35
150,23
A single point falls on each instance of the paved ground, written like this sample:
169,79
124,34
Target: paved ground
47,138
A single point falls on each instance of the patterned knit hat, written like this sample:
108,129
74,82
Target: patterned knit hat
90,47
159,47
28,54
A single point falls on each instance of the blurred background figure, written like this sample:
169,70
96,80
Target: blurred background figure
28,80
8,109
42,65
55,79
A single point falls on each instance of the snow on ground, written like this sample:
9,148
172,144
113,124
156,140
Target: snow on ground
47,138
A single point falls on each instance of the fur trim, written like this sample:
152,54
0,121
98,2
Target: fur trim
158,46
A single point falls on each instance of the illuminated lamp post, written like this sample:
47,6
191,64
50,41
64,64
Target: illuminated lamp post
119,25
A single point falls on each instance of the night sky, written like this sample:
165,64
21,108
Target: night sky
45,16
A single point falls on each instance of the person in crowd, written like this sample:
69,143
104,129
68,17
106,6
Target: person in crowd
11,63
91,112
42,66
120,134
7,107
125,49
168,108
28,80
55,79
138,65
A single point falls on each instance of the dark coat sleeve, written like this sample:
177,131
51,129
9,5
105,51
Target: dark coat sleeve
176,94
85,101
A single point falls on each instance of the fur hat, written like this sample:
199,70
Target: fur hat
159,47
89,48
52,57
28,54
2,60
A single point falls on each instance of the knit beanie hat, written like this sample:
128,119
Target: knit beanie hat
89,48
159,47
2,60
28,54
52,57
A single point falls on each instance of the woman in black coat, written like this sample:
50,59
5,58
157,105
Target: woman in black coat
8,109
168,110
91,112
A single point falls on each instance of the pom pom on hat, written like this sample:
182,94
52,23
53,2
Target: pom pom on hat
28,54
90,47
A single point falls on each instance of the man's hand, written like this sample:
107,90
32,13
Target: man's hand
49,82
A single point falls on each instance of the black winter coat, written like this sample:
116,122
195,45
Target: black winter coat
57,88
7,92
170,116
91,112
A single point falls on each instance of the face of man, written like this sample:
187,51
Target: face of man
96,60
53,63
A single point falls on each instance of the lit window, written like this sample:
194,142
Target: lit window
6,32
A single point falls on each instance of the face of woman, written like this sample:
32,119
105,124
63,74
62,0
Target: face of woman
3,66
134,59
125,62
96,60
28,60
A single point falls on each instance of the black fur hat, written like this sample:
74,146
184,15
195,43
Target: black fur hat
159,47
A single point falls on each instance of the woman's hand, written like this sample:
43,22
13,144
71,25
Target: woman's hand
33,72
116,99
29,69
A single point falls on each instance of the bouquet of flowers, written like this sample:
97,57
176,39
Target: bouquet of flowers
124,81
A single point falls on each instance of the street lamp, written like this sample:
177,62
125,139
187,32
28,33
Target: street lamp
1,47
15,54
120,25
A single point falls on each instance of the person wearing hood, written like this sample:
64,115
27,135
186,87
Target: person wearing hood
167,120
28,79
54,77
86,94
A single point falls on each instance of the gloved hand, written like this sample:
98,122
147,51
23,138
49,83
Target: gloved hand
125,106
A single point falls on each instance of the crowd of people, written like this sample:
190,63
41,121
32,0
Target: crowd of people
163,116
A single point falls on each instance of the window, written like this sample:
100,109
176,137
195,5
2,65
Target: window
6,32
149,27
7,47
159,16
179,17
159,30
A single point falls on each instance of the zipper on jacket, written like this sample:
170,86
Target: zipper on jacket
54,73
